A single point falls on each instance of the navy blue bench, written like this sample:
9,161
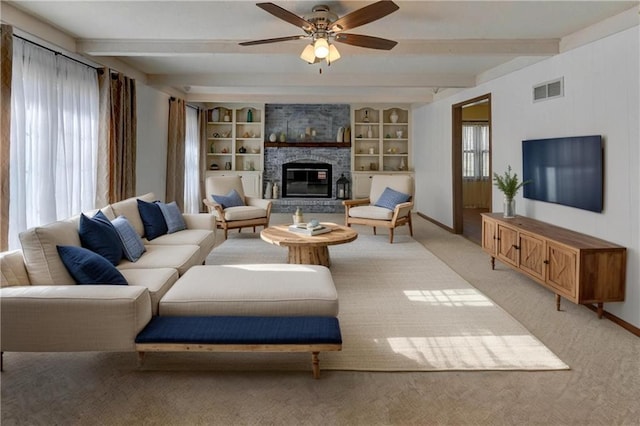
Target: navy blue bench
239,334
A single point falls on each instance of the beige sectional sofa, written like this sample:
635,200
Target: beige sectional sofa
42,309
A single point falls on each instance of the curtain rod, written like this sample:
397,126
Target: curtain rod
173,99
56,52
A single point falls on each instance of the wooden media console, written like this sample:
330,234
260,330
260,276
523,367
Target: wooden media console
575,266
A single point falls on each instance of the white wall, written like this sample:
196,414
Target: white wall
151,153
602,94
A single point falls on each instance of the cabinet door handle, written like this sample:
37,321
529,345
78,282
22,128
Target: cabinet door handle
546,262
516,247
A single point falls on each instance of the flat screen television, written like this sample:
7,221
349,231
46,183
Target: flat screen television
567,171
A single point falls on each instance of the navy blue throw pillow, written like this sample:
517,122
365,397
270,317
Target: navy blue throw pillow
87,267
152,220
232,199
98,235
390,198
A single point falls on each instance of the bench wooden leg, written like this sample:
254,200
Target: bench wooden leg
140,359
315,365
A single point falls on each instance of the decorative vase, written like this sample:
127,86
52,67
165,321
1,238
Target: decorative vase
394,116
227,165
340,135
226,117
250,116
347,135
369,133
268,192
365,119
273,137
509,207
298,217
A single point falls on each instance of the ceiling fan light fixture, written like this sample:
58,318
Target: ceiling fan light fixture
334,55
321,48
308,54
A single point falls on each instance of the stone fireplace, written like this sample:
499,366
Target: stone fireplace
338,161
303,180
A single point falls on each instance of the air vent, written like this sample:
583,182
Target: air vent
548,90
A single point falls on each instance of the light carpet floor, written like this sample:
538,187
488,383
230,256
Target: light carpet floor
403,309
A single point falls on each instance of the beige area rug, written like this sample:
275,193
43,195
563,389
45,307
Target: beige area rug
403,309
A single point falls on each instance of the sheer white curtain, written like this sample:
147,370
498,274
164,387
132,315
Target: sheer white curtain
54,110
192,163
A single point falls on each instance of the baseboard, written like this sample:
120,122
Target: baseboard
622,323
435,222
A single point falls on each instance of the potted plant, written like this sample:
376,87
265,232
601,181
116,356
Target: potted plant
509,184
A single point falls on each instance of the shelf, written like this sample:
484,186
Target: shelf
307,144
390,151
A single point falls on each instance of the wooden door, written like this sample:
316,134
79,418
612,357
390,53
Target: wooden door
562,270
507,249
489,236
532,255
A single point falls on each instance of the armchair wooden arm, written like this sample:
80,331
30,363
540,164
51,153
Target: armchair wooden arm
214,208
358,202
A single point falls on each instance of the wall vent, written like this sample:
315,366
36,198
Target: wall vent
548,90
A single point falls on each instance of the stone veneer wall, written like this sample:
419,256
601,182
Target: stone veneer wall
339,158
294,119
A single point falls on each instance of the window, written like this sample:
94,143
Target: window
191,163
475,151
54,138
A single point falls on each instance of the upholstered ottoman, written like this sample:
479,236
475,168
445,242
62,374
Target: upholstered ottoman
252,290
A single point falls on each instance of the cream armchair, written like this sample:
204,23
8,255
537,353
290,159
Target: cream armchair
366,212
255,212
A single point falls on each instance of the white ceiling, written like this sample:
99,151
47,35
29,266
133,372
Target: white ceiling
192,46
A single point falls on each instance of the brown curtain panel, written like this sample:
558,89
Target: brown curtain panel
6,65
202,125
175,151
104,138
120,114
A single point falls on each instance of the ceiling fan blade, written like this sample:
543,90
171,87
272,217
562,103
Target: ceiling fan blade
366,41
285,15
271,40
364,15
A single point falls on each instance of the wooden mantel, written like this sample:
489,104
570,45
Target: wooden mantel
307,144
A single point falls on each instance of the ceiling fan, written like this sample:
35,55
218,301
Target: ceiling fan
323,27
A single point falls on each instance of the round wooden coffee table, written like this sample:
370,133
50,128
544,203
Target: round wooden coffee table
306,249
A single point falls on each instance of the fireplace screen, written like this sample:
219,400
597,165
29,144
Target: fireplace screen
306,180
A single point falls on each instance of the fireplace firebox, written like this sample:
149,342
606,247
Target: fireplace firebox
306,180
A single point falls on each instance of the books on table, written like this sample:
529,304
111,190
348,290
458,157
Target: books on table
302,228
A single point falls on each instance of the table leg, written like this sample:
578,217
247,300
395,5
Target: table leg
315,365
303,255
